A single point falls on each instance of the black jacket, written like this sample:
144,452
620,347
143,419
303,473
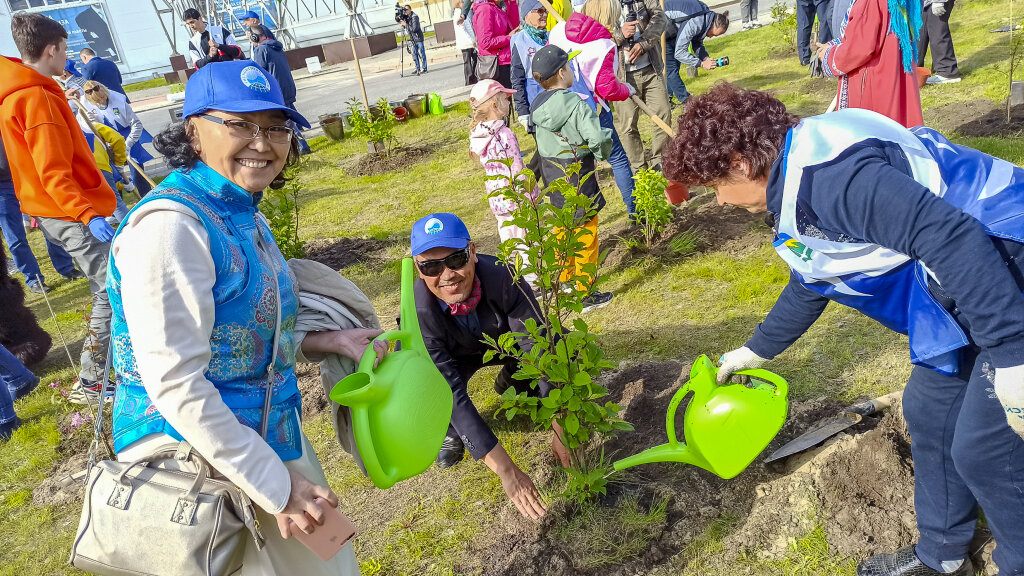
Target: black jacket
413,28
458,352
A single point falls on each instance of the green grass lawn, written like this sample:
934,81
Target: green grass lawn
672,308
153,83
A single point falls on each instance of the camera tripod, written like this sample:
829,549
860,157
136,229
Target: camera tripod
406,46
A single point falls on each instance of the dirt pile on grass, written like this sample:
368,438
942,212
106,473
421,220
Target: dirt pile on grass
314,400
338,253
376,164
859,487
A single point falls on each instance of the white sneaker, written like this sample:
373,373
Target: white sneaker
747,25
755,24
937,79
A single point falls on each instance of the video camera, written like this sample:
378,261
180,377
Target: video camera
400,13
635,10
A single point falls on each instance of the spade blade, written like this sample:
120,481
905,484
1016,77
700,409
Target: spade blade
816,435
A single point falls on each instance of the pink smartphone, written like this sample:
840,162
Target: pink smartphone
329,539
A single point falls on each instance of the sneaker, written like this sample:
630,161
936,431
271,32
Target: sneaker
452,452
747,25
423,72
23,390
904,562
7,428
938,79
88,392
597,300
75,274
39,288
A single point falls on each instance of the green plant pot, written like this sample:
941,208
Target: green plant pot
415,105
334,127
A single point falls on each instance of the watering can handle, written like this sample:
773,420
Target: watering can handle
780,384
370,354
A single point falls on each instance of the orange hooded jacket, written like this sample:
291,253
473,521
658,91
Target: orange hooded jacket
53,167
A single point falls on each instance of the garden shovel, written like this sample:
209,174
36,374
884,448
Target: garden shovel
826,429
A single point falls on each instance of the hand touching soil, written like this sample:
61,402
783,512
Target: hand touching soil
518,486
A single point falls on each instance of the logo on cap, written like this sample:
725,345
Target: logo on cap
254,78
433,226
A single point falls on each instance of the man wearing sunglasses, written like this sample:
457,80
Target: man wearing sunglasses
460,297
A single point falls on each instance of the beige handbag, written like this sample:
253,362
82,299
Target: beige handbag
138,519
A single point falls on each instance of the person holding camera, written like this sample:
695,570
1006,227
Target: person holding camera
210,43
411,22
637,26
693,22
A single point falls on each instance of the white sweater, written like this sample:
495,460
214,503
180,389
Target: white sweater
167,277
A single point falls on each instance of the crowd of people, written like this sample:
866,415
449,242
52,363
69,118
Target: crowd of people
869,208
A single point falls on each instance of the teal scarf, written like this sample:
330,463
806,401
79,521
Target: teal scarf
905,23
540,35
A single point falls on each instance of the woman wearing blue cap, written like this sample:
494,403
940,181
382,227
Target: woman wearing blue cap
203,301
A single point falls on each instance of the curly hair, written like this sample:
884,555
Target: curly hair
175,143
726,121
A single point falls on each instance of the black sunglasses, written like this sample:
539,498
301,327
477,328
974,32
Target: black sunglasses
454,261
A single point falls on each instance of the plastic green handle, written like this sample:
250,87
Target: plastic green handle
370,354
780,384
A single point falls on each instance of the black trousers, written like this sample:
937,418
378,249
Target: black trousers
505,75
469,65
935,31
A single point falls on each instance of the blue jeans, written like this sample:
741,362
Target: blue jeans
620,163
13,227
120,209
805,12
676,87
13,376
965,455
419,54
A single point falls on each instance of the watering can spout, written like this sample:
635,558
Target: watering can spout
663,453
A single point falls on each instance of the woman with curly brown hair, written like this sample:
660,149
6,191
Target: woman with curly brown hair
924,236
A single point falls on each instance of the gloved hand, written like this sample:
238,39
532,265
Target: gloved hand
91,115
632,91
939,8
739,359
128,144
1008,385
100,229
524,119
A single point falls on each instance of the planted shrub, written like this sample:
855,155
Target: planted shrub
377,127
565,352
652,208
281,209
784,20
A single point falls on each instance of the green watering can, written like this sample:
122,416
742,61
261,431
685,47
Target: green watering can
401,408
434,104
725,427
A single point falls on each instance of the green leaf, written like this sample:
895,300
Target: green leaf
510,413
572,424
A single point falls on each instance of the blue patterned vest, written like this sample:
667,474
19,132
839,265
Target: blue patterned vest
881,283
243,331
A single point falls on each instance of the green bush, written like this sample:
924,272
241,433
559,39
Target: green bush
564,352
282,212
376,127
652,209
785,22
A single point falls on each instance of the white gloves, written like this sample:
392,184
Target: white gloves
91,115
128,144
939,8
1008,385
524,119
739,359
632,91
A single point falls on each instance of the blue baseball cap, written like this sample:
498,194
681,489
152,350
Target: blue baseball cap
238,86
69,66
440,230
249,14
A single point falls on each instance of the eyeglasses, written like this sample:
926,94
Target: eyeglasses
250,130
454,261
91,90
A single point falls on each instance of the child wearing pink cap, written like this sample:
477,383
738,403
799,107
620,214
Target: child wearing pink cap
490,139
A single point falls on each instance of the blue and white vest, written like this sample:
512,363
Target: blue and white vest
245,317
525,46
116,116
881,283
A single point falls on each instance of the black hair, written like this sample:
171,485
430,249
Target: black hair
191,14
175,143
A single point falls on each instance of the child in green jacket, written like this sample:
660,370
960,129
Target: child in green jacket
569,131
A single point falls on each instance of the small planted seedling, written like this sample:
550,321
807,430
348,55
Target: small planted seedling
653,211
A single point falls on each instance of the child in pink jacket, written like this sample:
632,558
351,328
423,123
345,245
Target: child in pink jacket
490,139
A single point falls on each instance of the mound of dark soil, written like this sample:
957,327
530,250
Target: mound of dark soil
314,401
860,486
977,118
339,253
376,164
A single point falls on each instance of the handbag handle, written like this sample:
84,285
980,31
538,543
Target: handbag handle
268,395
